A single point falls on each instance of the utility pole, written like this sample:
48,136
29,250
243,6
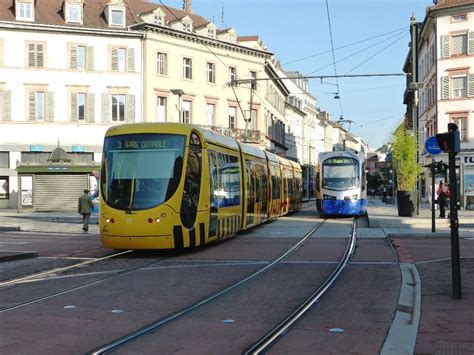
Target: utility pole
414,87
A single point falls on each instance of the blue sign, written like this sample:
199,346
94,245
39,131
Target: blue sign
36,148
77,148
432,146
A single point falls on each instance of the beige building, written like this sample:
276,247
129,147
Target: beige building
192,73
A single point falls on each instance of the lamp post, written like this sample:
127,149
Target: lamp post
179,93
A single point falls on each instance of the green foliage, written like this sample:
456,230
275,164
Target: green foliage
404,159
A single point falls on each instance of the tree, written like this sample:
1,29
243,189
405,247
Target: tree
404,158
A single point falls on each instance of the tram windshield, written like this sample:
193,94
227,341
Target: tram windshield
141,171
340,173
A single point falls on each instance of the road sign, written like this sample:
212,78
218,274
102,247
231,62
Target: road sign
432,146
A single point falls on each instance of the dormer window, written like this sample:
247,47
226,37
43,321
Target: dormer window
158,20
25,10
211,32
187,26
117,17
73,12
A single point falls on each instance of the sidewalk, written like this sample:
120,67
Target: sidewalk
427,319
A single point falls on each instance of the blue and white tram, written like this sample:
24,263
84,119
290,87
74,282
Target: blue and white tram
341,184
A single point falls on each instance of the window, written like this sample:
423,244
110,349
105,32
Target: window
119,59
117,17
186,111
187,26
253,76
232,74
210,108
118,108
78,57
81,105
232,116
161,109
211,72
459,18
4,190
38,106
35,55
161,61
24,11
5,160
460,86
211,33
460,44
187,68
74,13
35,157
461,122
158,20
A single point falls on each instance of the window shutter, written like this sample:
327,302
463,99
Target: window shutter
445,87
40,56
73,56
31,55
90,59
131,60
114,59
5,104
73,107
49,106
90,107
130,108
106,108
31,105
470,43
470,85
445,46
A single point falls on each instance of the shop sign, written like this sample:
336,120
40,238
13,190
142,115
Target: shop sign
36,148
468,160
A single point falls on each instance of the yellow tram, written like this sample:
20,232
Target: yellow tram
174,185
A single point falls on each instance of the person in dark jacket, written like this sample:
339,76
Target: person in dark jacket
84,207
443,195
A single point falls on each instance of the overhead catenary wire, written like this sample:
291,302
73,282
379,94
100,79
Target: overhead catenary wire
333,54
345,46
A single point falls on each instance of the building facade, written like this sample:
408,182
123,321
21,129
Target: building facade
70,69
446,69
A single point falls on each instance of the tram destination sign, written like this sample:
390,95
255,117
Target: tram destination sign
432,147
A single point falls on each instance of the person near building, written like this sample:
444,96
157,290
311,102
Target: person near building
85,207
443,195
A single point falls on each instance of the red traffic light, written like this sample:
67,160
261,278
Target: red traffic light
449,142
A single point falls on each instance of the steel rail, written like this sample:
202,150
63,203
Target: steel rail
75,288
54,271
269,339
122,341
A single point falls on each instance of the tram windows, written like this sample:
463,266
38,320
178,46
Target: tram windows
229,180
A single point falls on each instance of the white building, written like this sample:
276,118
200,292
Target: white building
446,69
67,72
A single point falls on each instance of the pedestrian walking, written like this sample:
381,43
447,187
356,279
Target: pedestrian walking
84,207
443,195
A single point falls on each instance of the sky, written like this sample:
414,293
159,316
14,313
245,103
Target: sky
368,37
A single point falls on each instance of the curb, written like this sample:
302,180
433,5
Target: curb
401,337
10,228
13,255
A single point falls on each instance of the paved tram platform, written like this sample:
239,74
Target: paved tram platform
427,320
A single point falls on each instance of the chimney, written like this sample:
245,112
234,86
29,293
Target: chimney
187,6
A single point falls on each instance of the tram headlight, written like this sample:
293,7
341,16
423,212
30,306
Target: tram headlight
329,197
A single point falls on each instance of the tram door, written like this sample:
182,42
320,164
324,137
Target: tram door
192,183
214,188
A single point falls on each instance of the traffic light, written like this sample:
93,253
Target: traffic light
449,142
441,167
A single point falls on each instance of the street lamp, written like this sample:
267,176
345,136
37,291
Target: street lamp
180,93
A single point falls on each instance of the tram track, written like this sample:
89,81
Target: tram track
167,320
40,277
